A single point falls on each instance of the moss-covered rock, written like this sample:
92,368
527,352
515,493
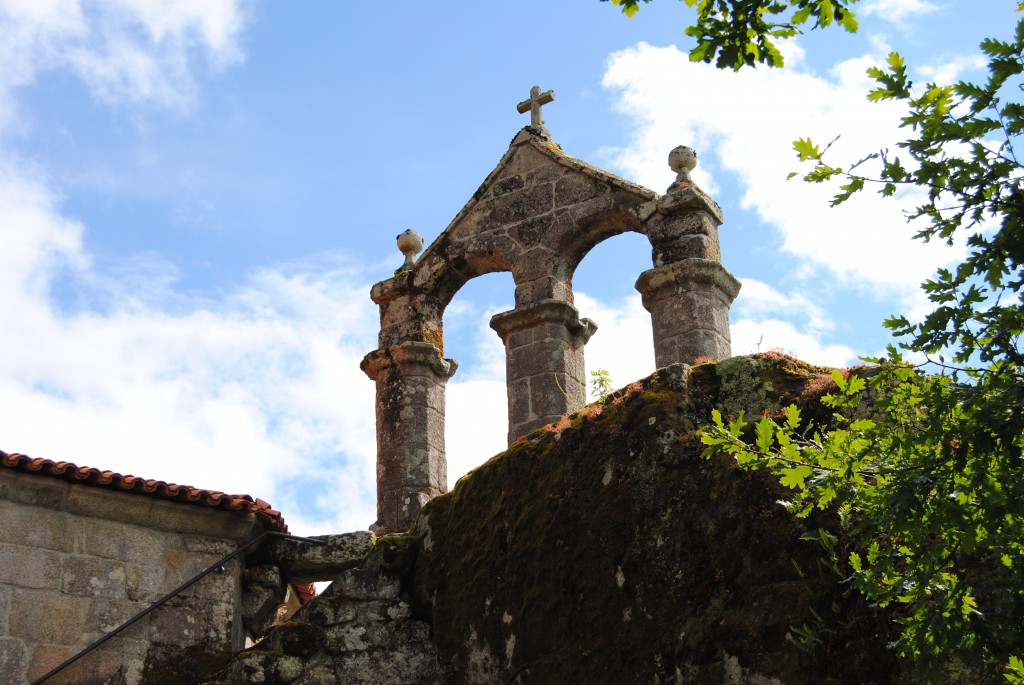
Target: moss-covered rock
605,549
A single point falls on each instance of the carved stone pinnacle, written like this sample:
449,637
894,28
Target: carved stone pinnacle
682,160
409,244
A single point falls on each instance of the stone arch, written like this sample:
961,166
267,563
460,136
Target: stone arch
536,215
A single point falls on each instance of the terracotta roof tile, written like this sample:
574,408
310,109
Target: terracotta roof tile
271,518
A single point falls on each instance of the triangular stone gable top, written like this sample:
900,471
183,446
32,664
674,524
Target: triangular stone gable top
536,215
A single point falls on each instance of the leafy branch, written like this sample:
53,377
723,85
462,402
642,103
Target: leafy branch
740,33
929,483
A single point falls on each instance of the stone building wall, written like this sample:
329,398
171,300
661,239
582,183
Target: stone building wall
77,561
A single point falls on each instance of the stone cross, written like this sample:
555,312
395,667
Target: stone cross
536,101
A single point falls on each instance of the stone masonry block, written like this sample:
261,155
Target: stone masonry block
496,251
541,261
529,360
113,540
206,621
148,512
13,659
666,351
524,158
507,185
683,201
259,609
181,565
144,582
173,625
396,506
594,215
521,204
548,395
336,611
557,333
219,584
543,174
528,233
573,189
23,488
48,618
687,247
325,612
45,658
265,667
365,585
105,616
696,223
541,287
36,527
576,370
390,636
29,567
703,343
518,339
84,576
210,546
120,660
519,400
302,562
689,311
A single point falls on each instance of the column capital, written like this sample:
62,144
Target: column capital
409,357
689,198
543,312
688,274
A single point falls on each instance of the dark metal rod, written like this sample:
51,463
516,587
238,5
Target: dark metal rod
163,600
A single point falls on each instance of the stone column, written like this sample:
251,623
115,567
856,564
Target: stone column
543,362
689,292
411,465
689,305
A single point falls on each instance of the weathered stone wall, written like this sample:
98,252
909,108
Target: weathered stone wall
361,631
77,561
604,550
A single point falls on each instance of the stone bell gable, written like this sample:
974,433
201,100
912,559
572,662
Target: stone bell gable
537,215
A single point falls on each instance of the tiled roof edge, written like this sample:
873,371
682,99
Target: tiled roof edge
84,475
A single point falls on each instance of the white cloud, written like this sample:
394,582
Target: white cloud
476,412
750,336
252,393
256,392
744,124
949,71
757,298
765,319
896,10
126,51
476,423
623,344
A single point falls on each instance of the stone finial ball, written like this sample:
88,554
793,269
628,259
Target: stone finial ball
409,242
682,157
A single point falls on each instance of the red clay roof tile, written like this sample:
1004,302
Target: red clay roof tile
271,518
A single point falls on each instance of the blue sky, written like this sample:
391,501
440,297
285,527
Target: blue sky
196,196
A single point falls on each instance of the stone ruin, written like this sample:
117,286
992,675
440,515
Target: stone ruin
536,215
